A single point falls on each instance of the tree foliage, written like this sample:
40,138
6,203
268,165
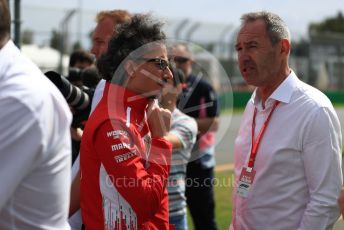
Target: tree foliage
77,46
55,40
27,37
331,24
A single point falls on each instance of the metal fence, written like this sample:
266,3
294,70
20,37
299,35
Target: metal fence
323,68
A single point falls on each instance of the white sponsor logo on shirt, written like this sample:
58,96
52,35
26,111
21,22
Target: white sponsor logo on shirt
125,156
117,133
119,146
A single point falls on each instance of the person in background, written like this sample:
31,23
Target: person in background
199,100
35,149
124,156
287,153
90,77
182,136
81,59
86,80
107,21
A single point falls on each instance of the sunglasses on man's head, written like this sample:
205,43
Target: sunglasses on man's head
180,59
163,64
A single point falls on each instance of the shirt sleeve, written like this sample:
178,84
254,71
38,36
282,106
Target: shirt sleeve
186,131
123,161
20,143
322,164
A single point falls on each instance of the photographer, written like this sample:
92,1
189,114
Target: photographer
78,97
81,59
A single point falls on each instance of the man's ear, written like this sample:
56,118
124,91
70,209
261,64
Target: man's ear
129,68
285,46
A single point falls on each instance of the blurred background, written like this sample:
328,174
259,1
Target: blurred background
46,29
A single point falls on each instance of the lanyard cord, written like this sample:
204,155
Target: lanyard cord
255,144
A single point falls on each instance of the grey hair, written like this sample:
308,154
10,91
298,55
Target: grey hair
275,26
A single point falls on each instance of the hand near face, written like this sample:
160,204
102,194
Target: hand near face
159,119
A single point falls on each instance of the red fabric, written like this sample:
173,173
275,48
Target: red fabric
255,143
131,192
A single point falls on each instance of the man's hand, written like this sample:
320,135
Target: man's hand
341,202
76,133
159,119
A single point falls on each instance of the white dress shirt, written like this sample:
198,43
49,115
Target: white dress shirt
35,148
298,164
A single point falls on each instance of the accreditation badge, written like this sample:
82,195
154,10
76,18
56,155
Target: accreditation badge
245,181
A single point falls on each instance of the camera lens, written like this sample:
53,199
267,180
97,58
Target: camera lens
75,97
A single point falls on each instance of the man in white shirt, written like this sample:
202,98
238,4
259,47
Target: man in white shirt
287,153
35,148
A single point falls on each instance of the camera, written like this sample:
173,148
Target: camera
88,77
79,98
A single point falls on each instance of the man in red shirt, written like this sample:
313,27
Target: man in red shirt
107,21
124,155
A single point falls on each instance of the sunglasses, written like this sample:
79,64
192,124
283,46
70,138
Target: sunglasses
163,64
180,59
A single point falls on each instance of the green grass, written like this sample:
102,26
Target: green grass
223,200
234,111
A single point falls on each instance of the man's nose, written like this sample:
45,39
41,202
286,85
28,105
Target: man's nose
167,74
94,51
243,55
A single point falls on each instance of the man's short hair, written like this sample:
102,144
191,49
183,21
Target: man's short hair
275,26
117,16
80,56
5,20
136,33
185,47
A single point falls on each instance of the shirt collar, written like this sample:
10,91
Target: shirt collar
7,52
124,98
283,92
9,44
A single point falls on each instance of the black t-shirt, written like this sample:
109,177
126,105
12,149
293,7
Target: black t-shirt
198,100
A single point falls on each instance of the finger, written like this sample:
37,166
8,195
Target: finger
164,119
153,103
150,107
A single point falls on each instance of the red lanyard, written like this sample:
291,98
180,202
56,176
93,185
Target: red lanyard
255,144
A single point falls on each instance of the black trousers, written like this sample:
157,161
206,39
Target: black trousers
200,196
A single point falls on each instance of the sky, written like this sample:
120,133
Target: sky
214,16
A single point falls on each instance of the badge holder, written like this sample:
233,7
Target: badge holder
245,181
